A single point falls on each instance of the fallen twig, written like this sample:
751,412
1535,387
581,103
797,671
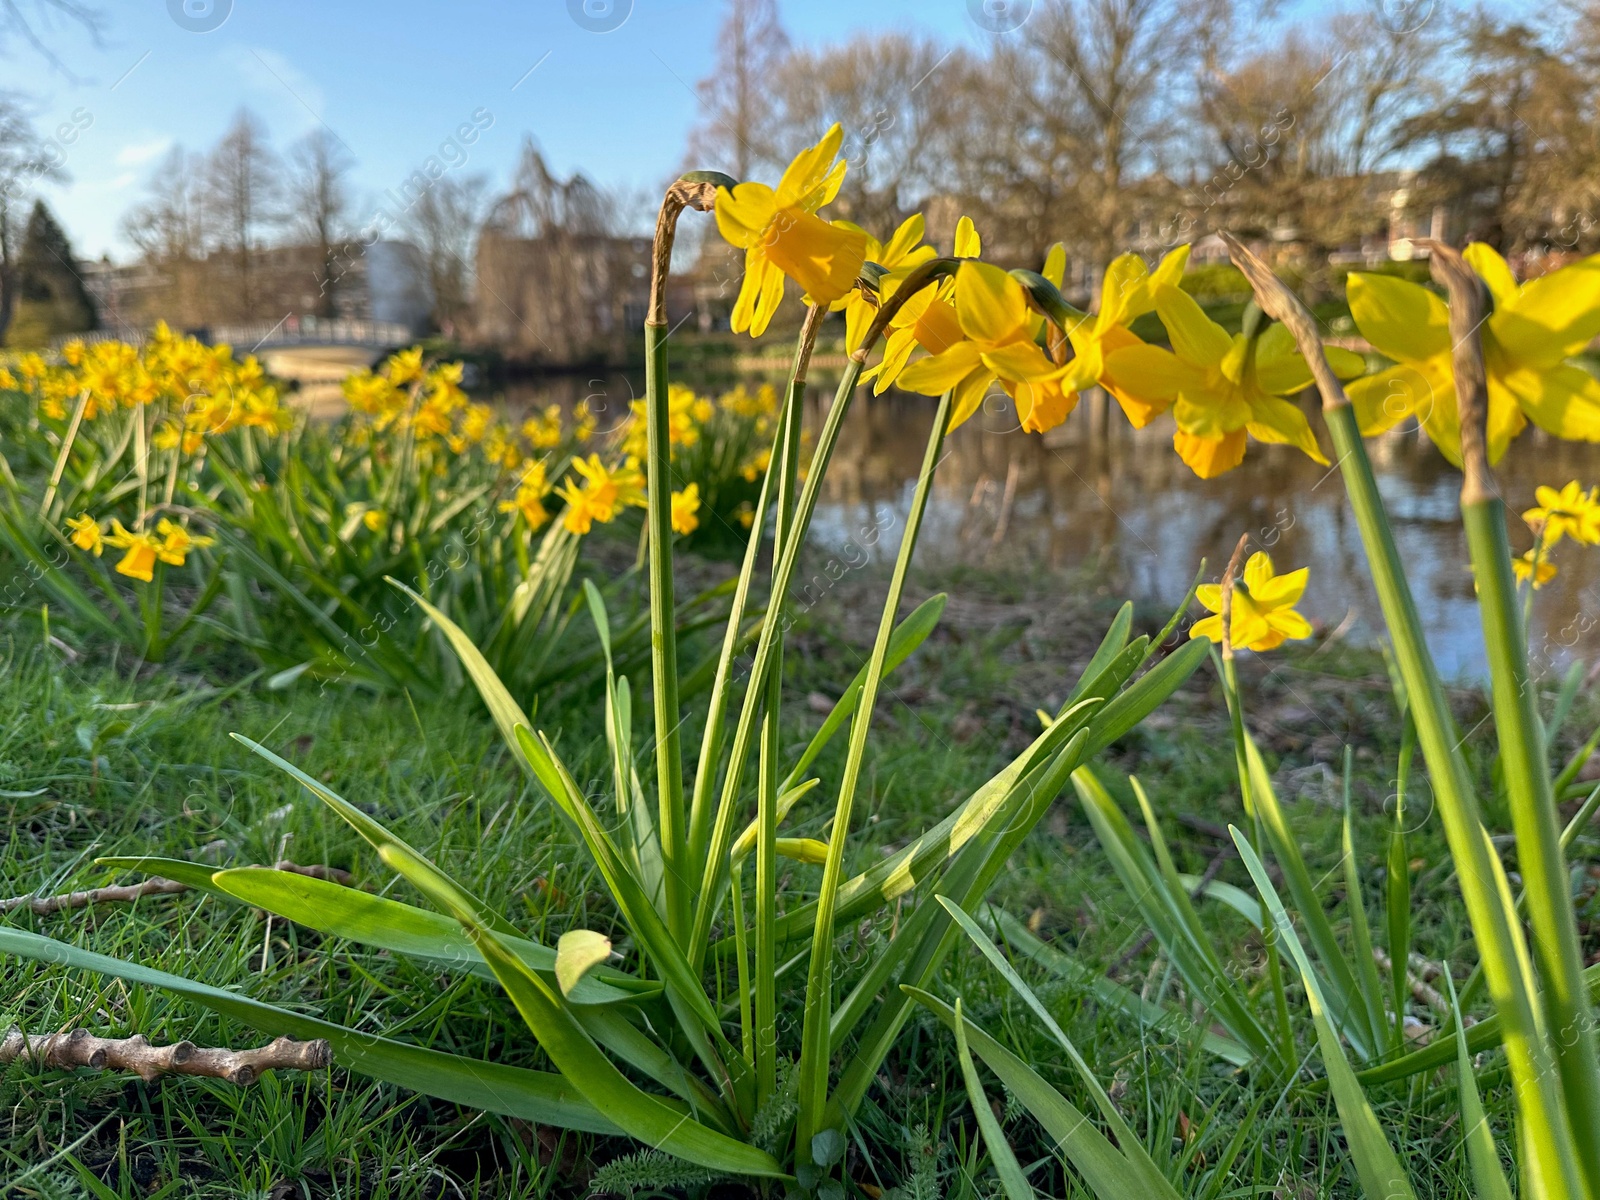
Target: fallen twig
128,892
80,1048
122,893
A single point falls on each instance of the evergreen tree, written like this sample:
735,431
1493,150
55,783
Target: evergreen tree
51,298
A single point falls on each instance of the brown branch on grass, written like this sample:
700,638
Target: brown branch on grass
1468,311
1280,303
121,894
80,1048
155,886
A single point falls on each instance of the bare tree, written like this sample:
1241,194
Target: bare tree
734,132
169,228
243,185
24,160
897,99
1302,131
318,199
34,22
444,223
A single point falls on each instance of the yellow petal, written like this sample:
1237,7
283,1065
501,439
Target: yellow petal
1281,421
1563,400
1021,361
1286,623
1196,338
1388,397
744,212
1171,268
904,240
1506,419
1210,457
967,242
938,373
1493,270
1258,572
968,398
897,350
823,259
1055,265
1151,373
1210,595
1207,627
1404,321
991,306
813,178
1124,291
1552,317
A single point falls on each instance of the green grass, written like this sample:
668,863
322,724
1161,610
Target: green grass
141,763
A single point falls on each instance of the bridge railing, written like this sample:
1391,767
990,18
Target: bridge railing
254,336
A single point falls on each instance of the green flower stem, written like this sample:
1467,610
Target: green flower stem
1544,1129
716,860
663,635
1568,1023
1482,881
815,1035
1523,755
771,768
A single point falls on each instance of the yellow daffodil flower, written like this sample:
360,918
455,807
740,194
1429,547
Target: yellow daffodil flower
1127,292
686,509
1571,512
781,235
404,366
604,493
140,560
543,429
1221,386
176,542
1535,566
900,254
1263,615
532,489
927,319
1534,328
86,534
997,325
375,519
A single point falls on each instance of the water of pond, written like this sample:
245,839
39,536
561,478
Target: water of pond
1119,502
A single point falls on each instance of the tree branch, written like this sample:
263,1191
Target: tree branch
80,1048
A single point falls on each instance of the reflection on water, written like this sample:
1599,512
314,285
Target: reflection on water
1121,502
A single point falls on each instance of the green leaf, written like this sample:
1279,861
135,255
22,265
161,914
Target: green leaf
402,928
491,1086
653,1120
1379,1170
1139,1160
578,952
1006,1166
1488,1176
1102,1165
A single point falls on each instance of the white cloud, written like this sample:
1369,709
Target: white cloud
135,153
123,180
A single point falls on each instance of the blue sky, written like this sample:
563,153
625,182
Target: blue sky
393,79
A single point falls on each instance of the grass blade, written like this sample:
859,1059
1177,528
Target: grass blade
1380,1172
1006,1166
